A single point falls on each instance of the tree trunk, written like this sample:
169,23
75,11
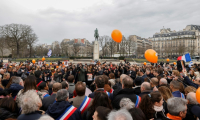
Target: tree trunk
30,51
2,53
17,50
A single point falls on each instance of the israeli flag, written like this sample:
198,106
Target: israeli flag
190,64
49,53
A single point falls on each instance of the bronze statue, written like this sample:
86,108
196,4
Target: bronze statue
96,34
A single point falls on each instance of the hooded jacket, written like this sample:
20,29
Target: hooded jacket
15,88
57,109
124,93
5,114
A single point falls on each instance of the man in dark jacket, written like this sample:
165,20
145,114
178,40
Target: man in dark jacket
193,110
174,86
51,99
100,71
62,109
131,73
145,88
16,86
38,75
100,82
126,92
137,84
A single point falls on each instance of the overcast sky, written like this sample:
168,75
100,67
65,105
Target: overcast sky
55,20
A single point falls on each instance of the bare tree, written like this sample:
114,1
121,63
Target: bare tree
40,50
76,48
180,49
112,46
2,46
31,39
123,46
130,45
64,46
102,43
57,50
15,34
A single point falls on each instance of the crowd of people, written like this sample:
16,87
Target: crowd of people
121,91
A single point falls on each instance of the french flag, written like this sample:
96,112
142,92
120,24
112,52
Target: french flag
185,57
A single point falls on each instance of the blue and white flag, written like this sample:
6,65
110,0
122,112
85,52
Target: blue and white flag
49,53
190,64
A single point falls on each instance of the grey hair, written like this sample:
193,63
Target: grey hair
146,85
62,95
192,98
163,81
45,117
175,84
30,101
51,83
126,103
121,114
175,105
16,80
122,76
117,80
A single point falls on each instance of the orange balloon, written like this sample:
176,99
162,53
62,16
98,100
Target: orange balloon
151,56
167,59
56,66
174,63
50,63
145,63
63,63
47,64
116,35
43,59
198,95
33,61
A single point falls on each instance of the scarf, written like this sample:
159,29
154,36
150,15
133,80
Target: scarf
158,109
173,117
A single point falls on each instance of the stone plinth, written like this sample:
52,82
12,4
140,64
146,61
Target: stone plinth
96,50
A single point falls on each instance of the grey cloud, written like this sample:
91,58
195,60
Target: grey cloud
132,17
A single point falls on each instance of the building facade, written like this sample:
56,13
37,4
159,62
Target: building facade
171,44
78,47
140,45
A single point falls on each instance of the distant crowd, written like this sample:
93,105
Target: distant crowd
100,91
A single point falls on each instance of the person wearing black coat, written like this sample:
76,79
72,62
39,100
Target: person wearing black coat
126,92
137,84
193,107
15,88
62,106
51,99
145,88
131,73
99,82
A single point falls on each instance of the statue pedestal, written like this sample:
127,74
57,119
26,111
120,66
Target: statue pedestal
96,50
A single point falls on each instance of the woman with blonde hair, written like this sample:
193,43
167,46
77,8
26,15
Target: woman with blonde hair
165,92
176,73
189,89
6,78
